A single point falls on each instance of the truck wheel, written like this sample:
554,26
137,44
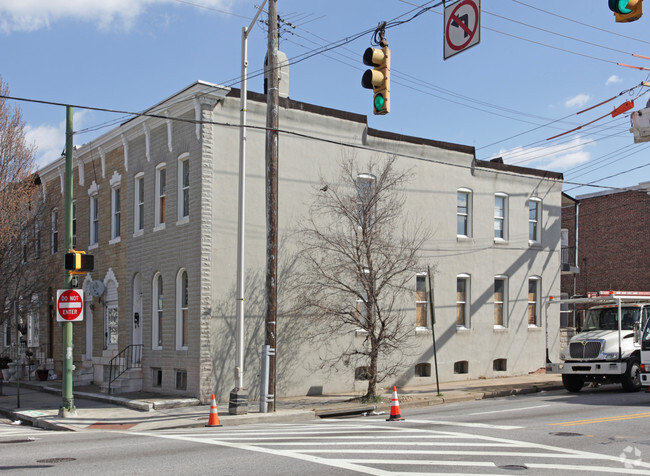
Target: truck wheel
573,383
631,380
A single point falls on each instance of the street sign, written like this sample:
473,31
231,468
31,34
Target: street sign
69,305
462,26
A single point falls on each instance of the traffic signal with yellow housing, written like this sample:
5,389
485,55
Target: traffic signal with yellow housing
78,262
378,78
626,10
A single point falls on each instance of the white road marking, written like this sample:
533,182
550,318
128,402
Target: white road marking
422,443
508,410
467,424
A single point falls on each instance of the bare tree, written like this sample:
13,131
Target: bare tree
360,255
21,209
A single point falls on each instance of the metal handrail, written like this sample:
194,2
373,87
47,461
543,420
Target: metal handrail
128,358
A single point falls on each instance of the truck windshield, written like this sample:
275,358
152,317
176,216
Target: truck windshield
607,319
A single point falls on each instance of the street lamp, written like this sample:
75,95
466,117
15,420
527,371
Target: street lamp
238,404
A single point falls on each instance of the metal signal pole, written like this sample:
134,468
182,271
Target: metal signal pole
272,121
67,405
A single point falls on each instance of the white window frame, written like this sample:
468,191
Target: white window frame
94,221
371,181
116,214
138,204
183,189
421,278
157,312
6,326
54,231
116,208
504,302
33,322
23,246
182,312
535,235
537,302
37,239
466,302
501,219
467,215
160,211
361,309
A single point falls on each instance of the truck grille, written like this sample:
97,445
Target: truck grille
588,349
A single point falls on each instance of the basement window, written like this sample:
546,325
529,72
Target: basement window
461,367
423,369
362,373
156,377
500,365
181,379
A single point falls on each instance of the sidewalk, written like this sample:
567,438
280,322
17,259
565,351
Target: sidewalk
39,403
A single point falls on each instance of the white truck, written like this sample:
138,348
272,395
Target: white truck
607,349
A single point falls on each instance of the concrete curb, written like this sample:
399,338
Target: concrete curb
410,399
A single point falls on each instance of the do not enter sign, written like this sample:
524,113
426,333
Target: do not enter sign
69,305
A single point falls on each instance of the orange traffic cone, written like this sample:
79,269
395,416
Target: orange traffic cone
214,415
394,408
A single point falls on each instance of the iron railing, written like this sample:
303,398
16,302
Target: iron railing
129,358
569,255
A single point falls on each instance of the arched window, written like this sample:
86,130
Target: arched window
157,314
182,310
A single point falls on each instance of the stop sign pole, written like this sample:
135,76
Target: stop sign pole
68,408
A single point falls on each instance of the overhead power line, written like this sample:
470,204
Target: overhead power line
301,135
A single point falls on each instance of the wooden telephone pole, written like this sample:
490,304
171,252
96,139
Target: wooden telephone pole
272,121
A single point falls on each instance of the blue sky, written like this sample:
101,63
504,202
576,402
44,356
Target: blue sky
526,80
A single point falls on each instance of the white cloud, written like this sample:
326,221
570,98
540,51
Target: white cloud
559,157
50,140
31,15
577,101
613,79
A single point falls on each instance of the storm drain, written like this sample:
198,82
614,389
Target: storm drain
29,440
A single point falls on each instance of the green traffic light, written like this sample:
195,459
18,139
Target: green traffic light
619,6
380,102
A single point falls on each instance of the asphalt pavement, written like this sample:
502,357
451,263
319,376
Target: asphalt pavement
38,403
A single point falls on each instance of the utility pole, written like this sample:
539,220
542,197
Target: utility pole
238,404
272,122
67,405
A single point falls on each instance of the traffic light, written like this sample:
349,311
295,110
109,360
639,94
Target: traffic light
626,10
78,262
378,78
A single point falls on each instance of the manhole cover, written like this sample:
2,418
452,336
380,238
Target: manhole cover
514,467
566,433
56,460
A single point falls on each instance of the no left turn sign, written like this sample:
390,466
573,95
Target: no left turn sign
462,26
69,305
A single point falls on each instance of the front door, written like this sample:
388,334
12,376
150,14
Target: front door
137,316
110,327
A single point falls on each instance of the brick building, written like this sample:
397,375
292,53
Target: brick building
613,245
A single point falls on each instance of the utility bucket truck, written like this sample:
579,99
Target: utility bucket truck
607,349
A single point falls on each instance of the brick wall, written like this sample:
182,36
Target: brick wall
614,242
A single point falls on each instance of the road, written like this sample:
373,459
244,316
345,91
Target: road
601,430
